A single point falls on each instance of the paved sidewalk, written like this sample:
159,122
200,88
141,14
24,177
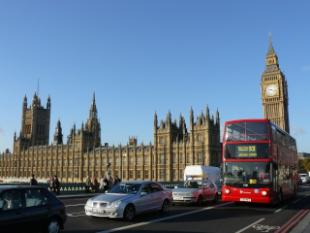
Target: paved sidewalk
303,226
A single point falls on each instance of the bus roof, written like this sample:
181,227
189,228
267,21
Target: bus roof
258,120
247,120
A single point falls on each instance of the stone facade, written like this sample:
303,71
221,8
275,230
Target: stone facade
274,91
83,155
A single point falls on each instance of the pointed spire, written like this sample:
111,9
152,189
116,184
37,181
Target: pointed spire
191,117
94,98
25,102
58,134
181,121
35,100
155,121
93,108
207,113
48,104
217,116
168,118
270,48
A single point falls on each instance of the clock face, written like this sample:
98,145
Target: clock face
271,90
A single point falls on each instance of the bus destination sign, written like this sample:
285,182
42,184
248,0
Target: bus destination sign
246,151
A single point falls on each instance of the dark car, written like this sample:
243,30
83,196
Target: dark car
30,209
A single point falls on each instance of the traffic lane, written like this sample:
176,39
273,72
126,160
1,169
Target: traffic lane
74,201
242,218
247,215
225,218
77,221
284,217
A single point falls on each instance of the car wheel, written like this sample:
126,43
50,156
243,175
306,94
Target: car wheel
53,226
216,198
165,206
199,201
129,213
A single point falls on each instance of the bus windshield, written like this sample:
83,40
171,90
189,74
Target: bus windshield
247,131
247,174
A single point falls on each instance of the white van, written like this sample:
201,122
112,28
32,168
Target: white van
200,185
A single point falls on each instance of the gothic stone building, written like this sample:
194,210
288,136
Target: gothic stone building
83,155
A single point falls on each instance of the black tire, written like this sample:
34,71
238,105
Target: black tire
199,201
129,213
216,198
164,206
280,197
53,226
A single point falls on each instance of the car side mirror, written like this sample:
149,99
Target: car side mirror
143,194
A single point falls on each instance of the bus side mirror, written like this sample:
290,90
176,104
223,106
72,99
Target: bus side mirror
275,166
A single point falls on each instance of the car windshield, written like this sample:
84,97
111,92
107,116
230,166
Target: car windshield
191,184
245,174
130,188
246,131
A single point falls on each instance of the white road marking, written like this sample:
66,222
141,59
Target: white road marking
75,205
76,214
294,202
279,210
265,228
249,226
163,219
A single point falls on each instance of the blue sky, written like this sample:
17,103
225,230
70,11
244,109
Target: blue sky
145,56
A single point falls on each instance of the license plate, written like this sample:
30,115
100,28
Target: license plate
246,199
95,211
178,198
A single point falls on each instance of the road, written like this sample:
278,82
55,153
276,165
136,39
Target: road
211,218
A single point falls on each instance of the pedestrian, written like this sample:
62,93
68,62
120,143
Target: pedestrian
95,184
56,185
50,183
106,185
33,180
116,180
102,184
87,184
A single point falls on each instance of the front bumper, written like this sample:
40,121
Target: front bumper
184,199
104,212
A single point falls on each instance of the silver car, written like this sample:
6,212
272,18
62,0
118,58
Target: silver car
127,199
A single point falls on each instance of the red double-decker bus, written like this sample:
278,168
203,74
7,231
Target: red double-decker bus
259,162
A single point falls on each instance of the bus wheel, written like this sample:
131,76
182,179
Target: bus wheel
280,197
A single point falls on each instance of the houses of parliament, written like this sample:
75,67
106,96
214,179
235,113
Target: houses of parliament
173,147
83,155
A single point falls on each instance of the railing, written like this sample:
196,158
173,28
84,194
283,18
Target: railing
69,188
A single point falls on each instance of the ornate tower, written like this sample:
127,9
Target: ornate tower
58,134
274,91
35,124
92,127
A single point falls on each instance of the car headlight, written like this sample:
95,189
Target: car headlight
89,202
115,204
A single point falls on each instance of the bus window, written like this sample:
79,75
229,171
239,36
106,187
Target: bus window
247,131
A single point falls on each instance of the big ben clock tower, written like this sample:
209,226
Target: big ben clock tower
274,91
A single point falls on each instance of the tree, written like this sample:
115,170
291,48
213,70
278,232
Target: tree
304,165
